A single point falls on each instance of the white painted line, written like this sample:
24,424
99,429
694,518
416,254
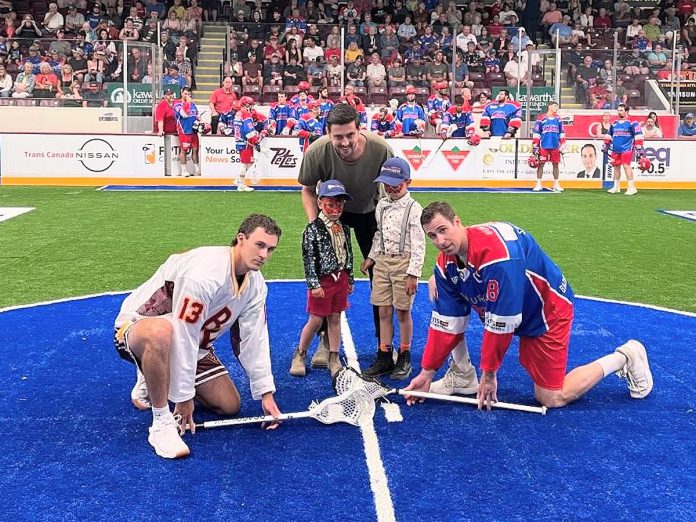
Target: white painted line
12,212
375,466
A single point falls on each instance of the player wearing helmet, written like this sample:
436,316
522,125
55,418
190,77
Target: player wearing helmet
437,105
410,115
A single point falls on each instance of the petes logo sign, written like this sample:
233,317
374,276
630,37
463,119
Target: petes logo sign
416,156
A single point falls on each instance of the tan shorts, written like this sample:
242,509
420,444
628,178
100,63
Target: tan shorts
389,282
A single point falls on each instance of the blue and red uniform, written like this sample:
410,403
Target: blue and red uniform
625,134
186,115
226,122
357,103
408,116
383,126
548,137
516,289
459,123
436,107
501,118
278,117
245,135
324,107
308,128
296,101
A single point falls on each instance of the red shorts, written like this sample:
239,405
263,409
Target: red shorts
621,158
545,358
188,141
246,156
552,155
335,298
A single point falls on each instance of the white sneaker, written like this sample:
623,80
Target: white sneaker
165,438
631,191
557,187
242,187
636,371
139,394
538,188
457,381
614,190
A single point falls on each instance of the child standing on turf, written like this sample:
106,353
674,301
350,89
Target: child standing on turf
328,264
397,255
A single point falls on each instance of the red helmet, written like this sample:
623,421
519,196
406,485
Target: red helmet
533,161
474,140
314,105
246,100
644,163
440,85
303,86
410,89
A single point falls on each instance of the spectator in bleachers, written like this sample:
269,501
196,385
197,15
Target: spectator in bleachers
444,41
371,42
687,130
155,6
606,73
406,31
516,72
273,71
148,79
366,25
60,44
46,83
502,42
88,36
94,16
438,70
685,7
351,36
252,72
96,68
256,49
53,20
94,96
416,73
115,72
428,41
481,101
520,39
333,39
292,51
78,63
5,83
636,64
55,61
129,32
551,17
652,29
587,18
561,31
623,15
440,22
66,78
657,58
28,28
272,47
312,51
316,72
508,15
178,9
389,43
334,72
322,15
413,51
376,72
184,65
585,77
397,74
169,47
173,25
149,34
137,65
689,32
597,94
602,20
294,73
296,21
491,62
173,77
495,28
353,52
24,82
356,73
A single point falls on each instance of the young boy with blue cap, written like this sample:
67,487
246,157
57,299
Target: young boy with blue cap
328,264
397,255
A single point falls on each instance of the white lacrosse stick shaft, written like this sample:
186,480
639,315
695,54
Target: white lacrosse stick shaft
467,400
253,420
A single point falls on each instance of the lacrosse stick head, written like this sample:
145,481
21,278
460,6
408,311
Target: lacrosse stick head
355,406
348,378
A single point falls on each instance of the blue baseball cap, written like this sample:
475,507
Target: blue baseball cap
332,189
394,172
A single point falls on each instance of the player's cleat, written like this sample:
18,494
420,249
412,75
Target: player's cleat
538,187
614,190
557,187
631,191
334,363
298,367
139,394
243,187
636,371
165,438
320,359
383,363
403,367
457,381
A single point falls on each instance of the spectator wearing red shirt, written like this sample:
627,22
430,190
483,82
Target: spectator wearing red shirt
602,20
222,101
164,120
685,7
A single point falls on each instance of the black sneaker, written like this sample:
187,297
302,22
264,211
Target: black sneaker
383,363
403,367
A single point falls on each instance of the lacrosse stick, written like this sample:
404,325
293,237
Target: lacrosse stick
353,407
348,379
261,155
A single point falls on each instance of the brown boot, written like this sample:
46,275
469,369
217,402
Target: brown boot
334,363
298,367
321,356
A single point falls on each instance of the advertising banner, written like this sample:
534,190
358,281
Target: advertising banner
56,156
581,160
539,98
589,125
139,96
437,160
61,119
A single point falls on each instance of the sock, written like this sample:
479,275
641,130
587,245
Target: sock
385,347
197,168
405,348
610,363
160,413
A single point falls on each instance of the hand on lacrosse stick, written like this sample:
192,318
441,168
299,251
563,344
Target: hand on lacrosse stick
270,408
183,413
420,383
487,390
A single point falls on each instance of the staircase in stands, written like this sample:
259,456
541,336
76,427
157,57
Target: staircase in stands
209,60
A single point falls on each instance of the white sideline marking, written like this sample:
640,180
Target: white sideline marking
12,212
378,477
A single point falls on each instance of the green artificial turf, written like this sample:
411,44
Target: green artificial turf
80,241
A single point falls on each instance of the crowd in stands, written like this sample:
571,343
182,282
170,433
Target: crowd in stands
389,45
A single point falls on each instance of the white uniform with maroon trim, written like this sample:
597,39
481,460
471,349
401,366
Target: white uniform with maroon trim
197,293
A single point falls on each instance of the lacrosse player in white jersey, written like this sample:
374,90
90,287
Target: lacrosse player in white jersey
167,327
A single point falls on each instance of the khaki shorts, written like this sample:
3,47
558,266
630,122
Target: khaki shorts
389,281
